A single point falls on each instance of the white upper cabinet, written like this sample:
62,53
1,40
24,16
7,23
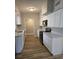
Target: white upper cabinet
58,18
50,6
55,19
50,19
58,4
17,17
61,18
54,5
18,20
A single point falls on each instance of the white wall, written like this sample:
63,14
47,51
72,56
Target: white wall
35,18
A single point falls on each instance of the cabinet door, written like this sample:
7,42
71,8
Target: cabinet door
58,4
58,18
57,46
50,6
61,18
47,42
18,20
51,18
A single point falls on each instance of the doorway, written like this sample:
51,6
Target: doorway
30,30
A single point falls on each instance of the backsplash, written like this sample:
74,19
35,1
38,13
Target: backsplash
57,29
19,28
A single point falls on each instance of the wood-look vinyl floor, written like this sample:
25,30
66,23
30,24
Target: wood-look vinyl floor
33,49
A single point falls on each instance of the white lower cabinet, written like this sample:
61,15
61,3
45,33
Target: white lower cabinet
54,44
19,42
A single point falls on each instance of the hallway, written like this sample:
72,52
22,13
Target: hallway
33,49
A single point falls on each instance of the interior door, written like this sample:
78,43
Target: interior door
30,27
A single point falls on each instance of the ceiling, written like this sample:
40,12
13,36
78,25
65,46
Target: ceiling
22,5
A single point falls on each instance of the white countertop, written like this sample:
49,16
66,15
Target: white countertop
18,33
53,34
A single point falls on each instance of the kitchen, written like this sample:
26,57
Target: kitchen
30,21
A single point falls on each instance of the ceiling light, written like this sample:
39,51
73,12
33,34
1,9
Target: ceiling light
31,8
